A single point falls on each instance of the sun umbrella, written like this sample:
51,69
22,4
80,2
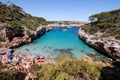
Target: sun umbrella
10,57
37,57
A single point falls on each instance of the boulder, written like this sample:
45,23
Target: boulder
4,51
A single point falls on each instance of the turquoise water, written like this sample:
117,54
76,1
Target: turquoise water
57,41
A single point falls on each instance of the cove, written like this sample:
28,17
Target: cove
60,40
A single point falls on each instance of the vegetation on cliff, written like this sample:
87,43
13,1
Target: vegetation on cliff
5,75
105,22
14,17
68,68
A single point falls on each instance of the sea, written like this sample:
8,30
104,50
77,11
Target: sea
58,41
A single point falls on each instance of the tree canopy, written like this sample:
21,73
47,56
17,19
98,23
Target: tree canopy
12,14
107,22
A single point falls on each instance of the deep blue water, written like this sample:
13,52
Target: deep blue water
57,41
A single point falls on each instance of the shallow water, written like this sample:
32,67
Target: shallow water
57,41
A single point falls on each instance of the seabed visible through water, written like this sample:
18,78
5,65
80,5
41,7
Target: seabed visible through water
60,40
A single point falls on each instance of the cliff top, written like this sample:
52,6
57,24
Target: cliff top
105,22
14,17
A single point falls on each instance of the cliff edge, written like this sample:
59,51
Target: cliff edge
18,27
103,33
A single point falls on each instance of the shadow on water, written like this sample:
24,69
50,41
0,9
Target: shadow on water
99,51
34,42
66,51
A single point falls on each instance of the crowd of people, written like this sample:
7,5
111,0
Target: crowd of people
20,62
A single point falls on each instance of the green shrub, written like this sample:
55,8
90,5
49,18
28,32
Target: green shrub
15,17
67,68
66,57
107,22
86,28
80,68
64,76
34,69
48,72
8,75
14,25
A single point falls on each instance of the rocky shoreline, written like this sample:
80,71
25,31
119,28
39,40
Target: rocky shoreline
108,46
21,37
13,39
22,63
67,23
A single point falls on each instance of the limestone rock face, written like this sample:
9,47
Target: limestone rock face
11,33
108,45
15,38
4,51
39,32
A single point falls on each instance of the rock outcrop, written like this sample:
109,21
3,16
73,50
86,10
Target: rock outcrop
18,27
4,51
15,38
106,45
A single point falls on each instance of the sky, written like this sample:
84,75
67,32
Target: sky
66,10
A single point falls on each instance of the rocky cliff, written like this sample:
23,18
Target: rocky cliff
103,33
11,38
18,27
106,45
